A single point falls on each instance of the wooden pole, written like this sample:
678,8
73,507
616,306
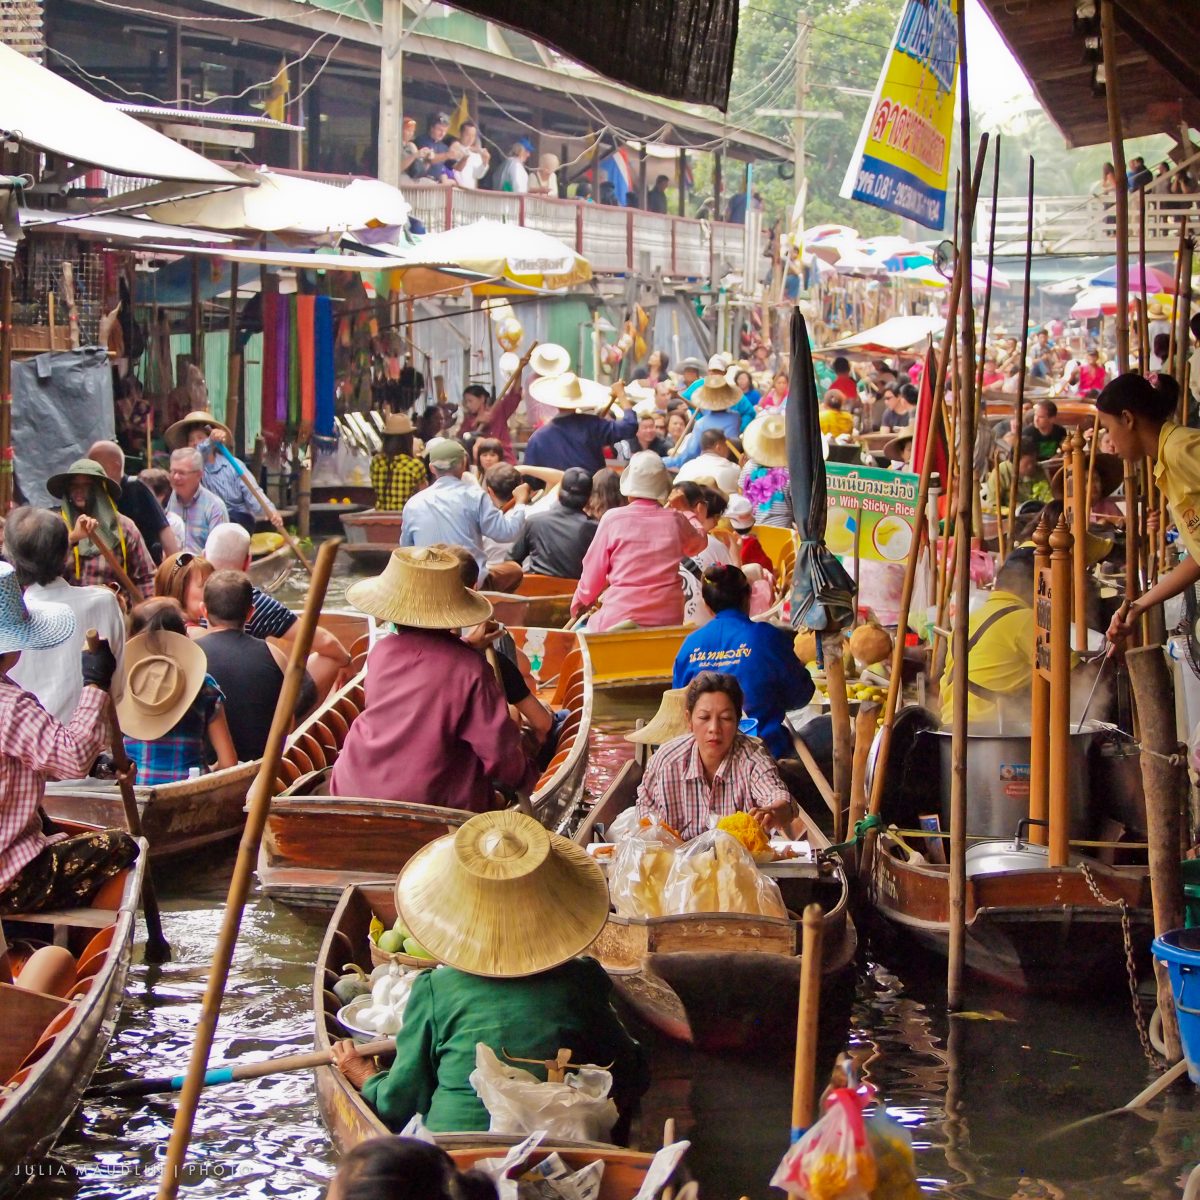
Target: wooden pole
194,317
303,509
1060,693
864,736
1039,709
1144,346
1078,508
1019,413
259,803
839,716
257,492
807,1014
987,287
1178,332
114,565
158,949
6,340
232,389
967,499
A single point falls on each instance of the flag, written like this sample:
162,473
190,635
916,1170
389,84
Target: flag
276,105
461,114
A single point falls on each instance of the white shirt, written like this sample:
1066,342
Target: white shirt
711,466
177,527
472,170
515,176
55,676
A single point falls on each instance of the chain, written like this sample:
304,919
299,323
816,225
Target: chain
1130,966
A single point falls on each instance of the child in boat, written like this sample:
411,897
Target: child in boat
171,706
396,474
508,907
394,1168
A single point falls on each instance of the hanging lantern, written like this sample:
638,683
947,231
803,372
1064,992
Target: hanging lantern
509,333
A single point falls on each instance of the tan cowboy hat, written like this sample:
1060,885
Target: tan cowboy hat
503,897
57,485
765,440
1109,470
421,587
177,435
164,672
671,720
568,392
548,358
716,393
397,423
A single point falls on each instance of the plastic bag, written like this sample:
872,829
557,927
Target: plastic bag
895,1165
624,825
641,864
833,1160
519,1102
715,873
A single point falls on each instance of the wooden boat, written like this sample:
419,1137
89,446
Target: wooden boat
180,818
543,601
50,1047
315,844
725,981
347,1115
268,571
372,526
624,658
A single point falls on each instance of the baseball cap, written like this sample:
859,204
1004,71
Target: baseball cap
445,452
739,512
576,482
440,119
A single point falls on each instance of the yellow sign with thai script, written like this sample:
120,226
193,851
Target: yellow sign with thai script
902,159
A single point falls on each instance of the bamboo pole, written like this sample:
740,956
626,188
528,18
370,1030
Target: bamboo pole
248,479
895,683
967,498
6,338
114,565
1080,506
259,803
1176,333
839,716
234,360
804,1080
1060,693
1039,706
987,287
1018,413
1143,328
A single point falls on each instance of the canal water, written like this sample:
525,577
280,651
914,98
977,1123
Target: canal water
981,1095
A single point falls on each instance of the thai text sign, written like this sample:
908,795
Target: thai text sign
903,152
874,507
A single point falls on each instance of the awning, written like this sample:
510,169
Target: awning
119,229
897,335
41,109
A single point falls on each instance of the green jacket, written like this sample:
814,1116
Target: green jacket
450,1011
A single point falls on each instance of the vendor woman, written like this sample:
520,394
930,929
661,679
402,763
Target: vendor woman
1137,416
508,907
396,473
713,769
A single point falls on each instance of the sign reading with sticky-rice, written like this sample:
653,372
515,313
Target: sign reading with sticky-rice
875,507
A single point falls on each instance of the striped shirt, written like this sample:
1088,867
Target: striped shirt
769,490
35,747
675,789
200,516
269,618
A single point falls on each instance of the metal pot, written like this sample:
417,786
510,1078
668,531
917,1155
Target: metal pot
995,858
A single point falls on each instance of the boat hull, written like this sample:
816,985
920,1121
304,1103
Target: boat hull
268,572
623,658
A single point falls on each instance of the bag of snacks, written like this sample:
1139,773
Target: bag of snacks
640,866
833,1160
895,1165
715,873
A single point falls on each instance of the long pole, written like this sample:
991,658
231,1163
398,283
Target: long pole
799,128
257,492
1019,415
1060,693
962,566
1144,346
807,1014
114,565
1080,508
234,358
239,885
389,144
987,287
1039,700
6,452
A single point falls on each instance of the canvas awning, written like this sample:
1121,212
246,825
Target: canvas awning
119,229
43,110
897,335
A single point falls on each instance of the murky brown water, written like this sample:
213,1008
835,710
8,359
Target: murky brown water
976,1095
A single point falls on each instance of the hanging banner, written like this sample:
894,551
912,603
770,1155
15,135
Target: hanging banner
874,507
903,152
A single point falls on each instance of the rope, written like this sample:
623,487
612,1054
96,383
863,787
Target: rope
861,829
1178,759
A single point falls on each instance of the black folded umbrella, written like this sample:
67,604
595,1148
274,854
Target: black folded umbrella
822,590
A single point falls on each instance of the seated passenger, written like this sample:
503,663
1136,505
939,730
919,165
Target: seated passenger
555,540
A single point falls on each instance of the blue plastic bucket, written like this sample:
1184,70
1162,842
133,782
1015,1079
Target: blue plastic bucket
1180,950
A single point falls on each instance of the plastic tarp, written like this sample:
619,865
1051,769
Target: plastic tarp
893,336
62,403
39,108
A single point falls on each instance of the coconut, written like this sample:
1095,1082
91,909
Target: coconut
805,646
870,643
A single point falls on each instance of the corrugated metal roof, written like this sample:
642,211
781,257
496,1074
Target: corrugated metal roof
191,116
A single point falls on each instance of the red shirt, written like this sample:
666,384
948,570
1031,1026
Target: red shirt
845,385
494,422
752,552
1092,377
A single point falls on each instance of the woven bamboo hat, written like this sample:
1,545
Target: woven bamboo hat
716,393
503,897
177,435
765,440
568,392
671,720
164,672
420,587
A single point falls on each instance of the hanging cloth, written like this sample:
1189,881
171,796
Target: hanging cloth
323,338
293,377
279,399
305,307
270,424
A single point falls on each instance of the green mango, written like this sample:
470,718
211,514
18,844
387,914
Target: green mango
390,941
414,949
401,928
349,987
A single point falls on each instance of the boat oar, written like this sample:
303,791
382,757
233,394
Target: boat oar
808,1010
135,592
158,949
257,493
152,1084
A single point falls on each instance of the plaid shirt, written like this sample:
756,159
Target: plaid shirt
35,747
199,517
395,480
173,755
133,556
675,790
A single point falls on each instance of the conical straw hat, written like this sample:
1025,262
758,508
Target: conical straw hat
671,720
765,440
503,897
421,587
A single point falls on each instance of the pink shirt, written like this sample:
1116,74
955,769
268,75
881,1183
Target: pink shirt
1092,377
435,729
495,422
634,560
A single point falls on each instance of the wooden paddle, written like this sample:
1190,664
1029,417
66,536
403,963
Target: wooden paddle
231,1074
158,949
135,592
805,1079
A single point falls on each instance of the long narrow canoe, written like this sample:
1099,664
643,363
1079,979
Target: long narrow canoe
182,817
543,601
627,657
270,570
347,1115
50,1047
315,844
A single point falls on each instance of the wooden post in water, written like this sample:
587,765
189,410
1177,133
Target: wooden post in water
234,359
1077,508
839,716
807,1020
1039,709
1060,694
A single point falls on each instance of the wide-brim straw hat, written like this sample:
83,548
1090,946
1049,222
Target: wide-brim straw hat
420,587
690,364
894,449
177,435
1156,311
29,624
1109,470
57,485
715,394
1098,548
567,391
395,424
503,897
164,672
645,477
549,359
671,720
765,440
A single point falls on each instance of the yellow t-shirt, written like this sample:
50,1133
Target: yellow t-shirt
1177,472
835,423
1002,659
